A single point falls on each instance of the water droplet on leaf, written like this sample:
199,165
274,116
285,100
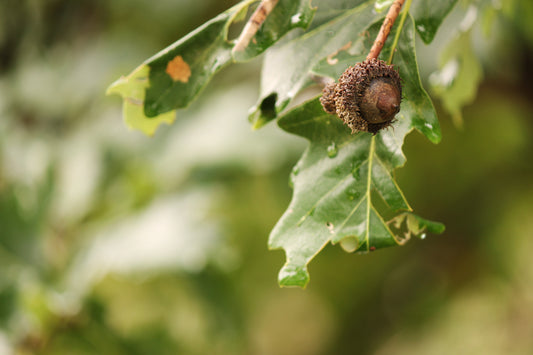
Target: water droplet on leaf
349,243
296,19
332,150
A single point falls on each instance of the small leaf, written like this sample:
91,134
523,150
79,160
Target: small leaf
428,16
341,178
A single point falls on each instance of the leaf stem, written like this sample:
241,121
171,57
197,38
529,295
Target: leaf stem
399,30
369,190
253,24
384,31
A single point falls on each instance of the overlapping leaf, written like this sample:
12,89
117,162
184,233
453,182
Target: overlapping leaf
172,78
341,178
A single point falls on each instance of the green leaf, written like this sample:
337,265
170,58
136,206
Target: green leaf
344,188
287,68
428,16
326,10
457,81
173,78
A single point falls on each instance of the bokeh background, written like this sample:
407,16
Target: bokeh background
112,242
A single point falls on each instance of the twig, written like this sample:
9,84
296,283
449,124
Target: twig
384,31
254,23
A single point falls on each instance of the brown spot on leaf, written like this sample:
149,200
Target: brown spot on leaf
178,69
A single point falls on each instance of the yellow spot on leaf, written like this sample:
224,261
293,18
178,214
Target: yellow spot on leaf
178,69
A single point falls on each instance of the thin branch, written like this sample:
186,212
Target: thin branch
384,31
254,23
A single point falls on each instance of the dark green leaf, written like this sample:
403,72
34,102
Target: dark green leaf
327,10
203,52
428,16
341,178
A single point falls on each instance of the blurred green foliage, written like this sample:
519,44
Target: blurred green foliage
115,243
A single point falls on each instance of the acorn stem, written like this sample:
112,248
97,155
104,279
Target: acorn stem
400,26
384,31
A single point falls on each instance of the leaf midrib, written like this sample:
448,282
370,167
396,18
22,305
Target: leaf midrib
368,190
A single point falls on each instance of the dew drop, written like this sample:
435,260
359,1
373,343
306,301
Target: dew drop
296,19
382,5
332,150
350,243
423,236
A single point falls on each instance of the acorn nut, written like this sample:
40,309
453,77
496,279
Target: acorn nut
367,96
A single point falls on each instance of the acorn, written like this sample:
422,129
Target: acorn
367,96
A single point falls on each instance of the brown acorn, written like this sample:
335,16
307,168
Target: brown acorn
367,96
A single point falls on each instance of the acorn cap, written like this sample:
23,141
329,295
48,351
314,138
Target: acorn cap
367,96
328,98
